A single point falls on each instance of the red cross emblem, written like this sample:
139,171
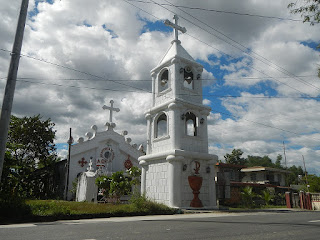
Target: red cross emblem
82,162
128,164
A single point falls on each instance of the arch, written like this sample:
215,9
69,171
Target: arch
163,79
161,126
188,78
191,124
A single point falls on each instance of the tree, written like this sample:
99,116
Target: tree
278,162
235,157
264,161
119,184
309,10
30,146
292,178
314,183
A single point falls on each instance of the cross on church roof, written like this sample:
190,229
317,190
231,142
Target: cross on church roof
175,26
111,108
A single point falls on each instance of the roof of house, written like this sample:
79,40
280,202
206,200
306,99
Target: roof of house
230,165
259,168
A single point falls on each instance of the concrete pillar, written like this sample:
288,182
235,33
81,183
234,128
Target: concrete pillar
174,180
149,133
174,126
143,176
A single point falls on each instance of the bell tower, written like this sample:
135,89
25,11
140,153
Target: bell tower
177,135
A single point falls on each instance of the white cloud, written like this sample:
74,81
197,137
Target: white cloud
107,41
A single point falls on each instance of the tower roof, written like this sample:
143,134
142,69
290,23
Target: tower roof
174,51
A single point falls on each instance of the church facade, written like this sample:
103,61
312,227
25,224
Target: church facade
177,139
103,152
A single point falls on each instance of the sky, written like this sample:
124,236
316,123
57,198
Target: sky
260,69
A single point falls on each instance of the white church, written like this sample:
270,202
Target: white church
177,169
102,153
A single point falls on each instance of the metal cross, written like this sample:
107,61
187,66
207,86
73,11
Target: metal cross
175,26
111,108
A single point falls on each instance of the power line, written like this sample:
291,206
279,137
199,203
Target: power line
181,94
72,69
261,124
211,45
221,11
150,80
269,63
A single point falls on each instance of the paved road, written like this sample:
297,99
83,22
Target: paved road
270,225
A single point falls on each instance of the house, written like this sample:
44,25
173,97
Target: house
265,175
231,179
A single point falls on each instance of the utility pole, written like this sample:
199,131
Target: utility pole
70,141
285,163
11,82
305,172
284,153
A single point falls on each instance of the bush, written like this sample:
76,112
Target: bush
13,208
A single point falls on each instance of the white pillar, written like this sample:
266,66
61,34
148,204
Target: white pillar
174,125
143,177
174,179
149,135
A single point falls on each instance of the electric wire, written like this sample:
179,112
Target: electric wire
221,11
269,63
262,72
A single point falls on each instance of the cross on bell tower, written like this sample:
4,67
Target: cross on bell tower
111,108
175,27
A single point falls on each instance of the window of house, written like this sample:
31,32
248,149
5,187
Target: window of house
163,80
188,78
253,176
162,126
279,178
191,124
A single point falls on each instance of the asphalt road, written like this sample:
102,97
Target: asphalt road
270,225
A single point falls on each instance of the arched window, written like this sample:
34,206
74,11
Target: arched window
191,124
188,78
161,126
163,80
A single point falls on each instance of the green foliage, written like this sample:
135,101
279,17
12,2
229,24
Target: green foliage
267,197
30,147
40,210
49,208
142,203
264,161
308,9
292,178
235,157
135,178
119,184
313,182
247,197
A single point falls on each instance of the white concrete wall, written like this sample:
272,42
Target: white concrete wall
157,187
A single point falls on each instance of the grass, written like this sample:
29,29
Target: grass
50,210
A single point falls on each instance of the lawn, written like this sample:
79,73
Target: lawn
51,210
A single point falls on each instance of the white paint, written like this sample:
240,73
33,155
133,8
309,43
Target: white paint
103,153
163,178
